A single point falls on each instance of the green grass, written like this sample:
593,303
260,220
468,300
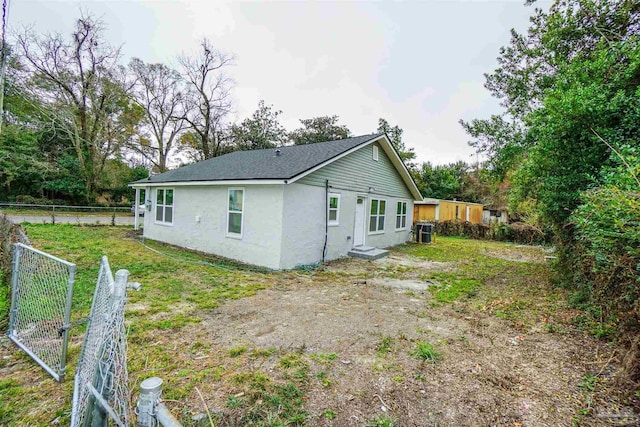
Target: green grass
487,279
329,414
323,358
166,280
266,402
384,346
176,290
237,351
269,402
381,421
426,351
451,286
293,360
588,383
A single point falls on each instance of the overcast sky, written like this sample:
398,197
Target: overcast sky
420,65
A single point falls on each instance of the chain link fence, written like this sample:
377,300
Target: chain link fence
41,292
101,395
62,214
39,322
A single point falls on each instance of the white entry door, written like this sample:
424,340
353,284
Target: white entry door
358,232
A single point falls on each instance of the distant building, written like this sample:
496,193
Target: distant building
495,215
447,210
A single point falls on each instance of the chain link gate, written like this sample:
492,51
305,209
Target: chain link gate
39,320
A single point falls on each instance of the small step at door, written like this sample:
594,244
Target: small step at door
367,252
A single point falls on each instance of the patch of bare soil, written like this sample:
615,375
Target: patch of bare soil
403,260
520,253
395,262
490,373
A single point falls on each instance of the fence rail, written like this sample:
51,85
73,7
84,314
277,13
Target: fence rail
65,208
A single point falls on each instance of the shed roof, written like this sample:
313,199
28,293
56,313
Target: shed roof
432,201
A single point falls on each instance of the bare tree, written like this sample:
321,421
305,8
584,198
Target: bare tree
208,98
159,90
83,90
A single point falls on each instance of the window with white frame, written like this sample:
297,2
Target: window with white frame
235,212
375,153
376,215
164,206
333,213
401,216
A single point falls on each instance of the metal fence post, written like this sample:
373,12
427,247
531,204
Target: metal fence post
67,320
120,285
150,391
150,409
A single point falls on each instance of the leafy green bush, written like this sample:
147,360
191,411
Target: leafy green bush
517,233
602,261
30,200
9,234
607,230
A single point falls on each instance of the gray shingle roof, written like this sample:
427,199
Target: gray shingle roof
262,164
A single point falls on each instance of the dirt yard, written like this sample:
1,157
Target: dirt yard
370,316
457,333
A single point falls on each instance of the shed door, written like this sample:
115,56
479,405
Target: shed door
358,232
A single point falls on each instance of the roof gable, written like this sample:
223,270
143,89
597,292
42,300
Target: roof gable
269,164
286,164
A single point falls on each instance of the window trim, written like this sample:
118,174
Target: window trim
376,155
336,222
227,232
377,231
401,215
164,205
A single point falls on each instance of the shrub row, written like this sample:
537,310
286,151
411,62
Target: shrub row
30,200
10,233
600,258
518,233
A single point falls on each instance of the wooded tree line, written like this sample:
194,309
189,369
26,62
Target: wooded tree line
79,124
567,148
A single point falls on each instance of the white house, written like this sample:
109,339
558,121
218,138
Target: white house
285,207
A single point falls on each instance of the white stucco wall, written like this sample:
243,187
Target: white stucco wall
262,223
304,224
283,226
390,236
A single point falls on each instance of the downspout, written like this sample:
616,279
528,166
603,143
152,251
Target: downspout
326,219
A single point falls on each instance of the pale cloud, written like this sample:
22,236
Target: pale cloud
417,64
